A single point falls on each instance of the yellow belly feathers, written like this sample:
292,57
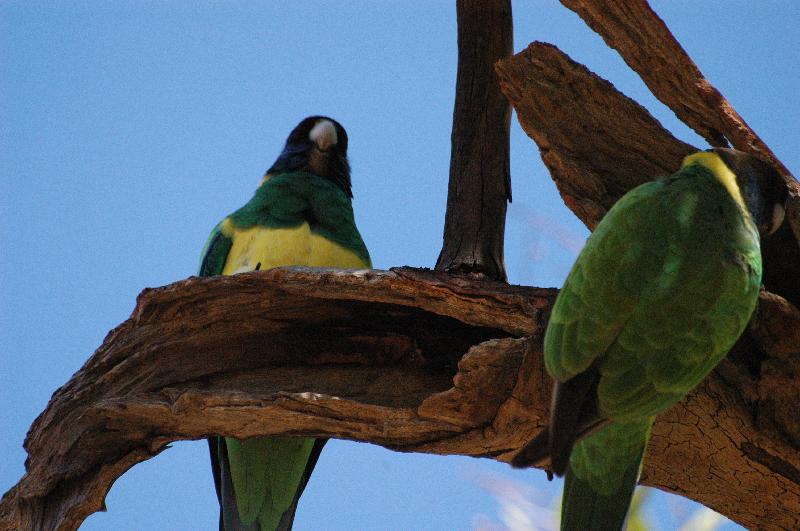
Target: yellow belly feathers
271,247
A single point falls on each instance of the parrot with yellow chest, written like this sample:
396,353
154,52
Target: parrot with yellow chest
301,214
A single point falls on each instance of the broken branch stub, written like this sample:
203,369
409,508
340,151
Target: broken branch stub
480,181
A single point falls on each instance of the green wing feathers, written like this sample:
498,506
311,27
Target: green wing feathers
605,277
215,253
663,288
661,310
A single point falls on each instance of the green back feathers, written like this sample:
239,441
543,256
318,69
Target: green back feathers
289,199
659,293
662,290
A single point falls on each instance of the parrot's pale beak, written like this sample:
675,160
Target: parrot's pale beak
778,213
323,134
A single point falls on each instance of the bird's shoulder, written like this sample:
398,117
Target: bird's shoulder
288,199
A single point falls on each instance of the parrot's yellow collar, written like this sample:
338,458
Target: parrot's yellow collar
720,170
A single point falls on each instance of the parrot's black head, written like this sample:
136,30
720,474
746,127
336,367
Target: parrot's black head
763,190
318,145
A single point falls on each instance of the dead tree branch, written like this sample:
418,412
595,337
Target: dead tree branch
480,181
371,356
614,146
644,42
367,356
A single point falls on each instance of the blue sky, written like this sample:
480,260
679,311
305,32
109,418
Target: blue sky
128,129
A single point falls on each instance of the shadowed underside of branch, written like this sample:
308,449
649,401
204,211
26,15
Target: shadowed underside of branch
367,356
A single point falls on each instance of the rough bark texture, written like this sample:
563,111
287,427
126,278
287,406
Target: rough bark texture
614,146
480,182
363,355
377,356
647,46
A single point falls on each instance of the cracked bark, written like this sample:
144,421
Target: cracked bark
480,182
235,356
614,146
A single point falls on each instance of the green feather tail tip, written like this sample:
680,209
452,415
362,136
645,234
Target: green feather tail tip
583,509
266,474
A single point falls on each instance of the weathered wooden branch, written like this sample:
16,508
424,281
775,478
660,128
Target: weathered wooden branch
615,145
480,181
373,356
647,46
363,355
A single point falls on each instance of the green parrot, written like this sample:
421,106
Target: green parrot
301,214
662,290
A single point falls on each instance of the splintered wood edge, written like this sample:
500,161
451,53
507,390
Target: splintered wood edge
644,42
614,146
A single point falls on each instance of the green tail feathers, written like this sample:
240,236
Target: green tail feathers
259,481
602,476
266,474
583,509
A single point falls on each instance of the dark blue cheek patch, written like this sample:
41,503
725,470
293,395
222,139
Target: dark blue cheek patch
293,157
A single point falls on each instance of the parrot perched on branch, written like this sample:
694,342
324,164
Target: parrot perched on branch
300,215
662,290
